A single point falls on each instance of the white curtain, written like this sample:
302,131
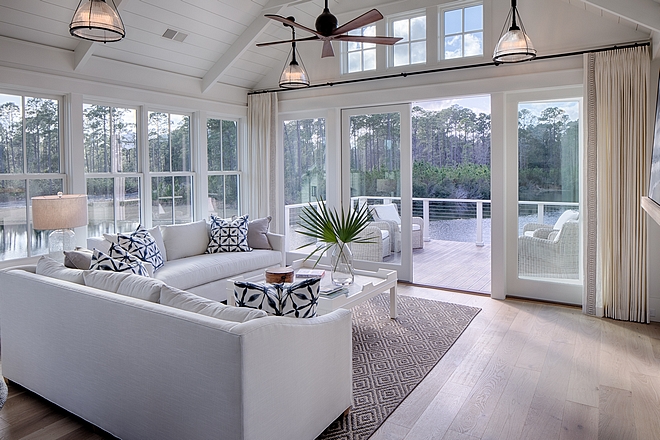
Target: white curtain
617,90
260,169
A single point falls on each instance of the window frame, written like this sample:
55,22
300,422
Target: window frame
149,174
345,53
119,175
28,177
238,172
409,15
442,9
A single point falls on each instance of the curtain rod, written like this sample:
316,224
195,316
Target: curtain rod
447,69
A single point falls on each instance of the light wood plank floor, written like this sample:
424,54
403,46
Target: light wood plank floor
521,370
454,265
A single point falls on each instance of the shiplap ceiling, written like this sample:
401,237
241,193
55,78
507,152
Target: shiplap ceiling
221,34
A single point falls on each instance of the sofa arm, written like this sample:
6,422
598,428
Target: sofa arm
306,363
276,241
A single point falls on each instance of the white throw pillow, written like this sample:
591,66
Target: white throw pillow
122,283
180,299
564,217
185,240
46,266
387,212
112,238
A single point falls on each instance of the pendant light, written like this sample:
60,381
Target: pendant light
97,20
294,75
514,46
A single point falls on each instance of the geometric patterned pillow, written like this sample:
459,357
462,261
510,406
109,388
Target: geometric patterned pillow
101,261
297,300
228,235
119,253
142,245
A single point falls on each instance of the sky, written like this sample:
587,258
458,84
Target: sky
481,104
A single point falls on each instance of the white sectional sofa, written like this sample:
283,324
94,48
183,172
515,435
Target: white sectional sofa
188,267
144,370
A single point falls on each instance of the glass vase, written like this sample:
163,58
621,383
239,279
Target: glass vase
341,261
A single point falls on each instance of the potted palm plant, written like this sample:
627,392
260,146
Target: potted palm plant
335,232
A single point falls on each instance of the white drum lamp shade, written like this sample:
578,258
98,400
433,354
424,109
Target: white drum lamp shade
60,213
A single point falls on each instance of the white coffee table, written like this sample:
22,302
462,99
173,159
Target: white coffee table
367,285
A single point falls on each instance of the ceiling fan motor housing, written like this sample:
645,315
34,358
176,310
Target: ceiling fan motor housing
326,23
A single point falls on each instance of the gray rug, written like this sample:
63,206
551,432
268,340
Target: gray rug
391,357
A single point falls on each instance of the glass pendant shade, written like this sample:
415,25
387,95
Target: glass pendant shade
294,75
514,46
97,20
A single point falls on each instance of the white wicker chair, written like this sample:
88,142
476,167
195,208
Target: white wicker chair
389,213
548,252
380,246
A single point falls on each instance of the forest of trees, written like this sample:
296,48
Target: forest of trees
451,151
42,140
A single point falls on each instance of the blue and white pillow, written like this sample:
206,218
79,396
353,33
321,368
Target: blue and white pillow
298,300
142,245
102,261
228,235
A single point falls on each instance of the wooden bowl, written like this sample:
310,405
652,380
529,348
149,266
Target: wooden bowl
276,275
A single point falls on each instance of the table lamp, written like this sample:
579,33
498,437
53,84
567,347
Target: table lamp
60,213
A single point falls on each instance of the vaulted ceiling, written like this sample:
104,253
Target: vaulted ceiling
213,41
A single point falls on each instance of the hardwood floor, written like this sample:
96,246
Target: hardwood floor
521,370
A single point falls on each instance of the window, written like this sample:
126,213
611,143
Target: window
412,48
111,169
170,168
30,165
359,57
223,174
462,32
304,171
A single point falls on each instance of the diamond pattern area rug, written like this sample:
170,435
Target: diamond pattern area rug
391,357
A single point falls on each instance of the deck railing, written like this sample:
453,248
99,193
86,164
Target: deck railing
436,209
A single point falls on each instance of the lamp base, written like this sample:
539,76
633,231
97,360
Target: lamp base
60,240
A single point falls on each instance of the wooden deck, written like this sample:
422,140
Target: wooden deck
453,265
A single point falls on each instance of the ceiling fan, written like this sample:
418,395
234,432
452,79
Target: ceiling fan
327,30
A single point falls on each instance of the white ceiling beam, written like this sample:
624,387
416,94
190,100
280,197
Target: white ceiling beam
244,42
85,48
643,12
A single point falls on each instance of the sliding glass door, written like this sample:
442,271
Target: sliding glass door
376,170
545,258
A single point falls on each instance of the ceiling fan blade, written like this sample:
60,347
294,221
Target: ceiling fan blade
327,49
288,22
358,22
377,40
270,43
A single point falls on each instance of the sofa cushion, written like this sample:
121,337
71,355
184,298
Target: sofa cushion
102,261
202,269
185,240
298,299
79,258
124,283
257,233
173,297
48,267
229,235
565,216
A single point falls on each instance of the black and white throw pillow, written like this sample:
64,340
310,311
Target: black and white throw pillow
102,261
142,245
228,235
298,300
